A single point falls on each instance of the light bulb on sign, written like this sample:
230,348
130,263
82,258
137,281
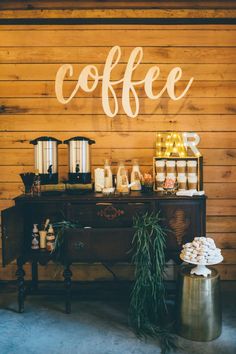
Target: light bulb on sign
177,144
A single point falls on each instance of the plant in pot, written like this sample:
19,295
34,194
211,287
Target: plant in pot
147,183
60,227
148,311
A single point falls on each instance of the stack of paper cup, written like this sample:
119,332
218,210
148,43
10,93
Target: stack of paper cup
192,174
170,166
182,181
170,170
160,178
192,181
181,178
160,166
181,166
192,166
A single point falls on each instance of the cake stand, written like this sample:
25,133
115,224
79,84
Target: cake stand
201,268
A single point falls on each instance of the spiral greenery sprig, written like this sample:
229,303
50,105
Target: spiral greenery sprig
148,310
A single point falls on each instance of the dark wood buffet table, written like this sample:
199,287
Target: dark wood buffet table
106,229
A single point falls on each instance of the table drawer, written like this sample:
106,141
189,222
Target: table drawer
39,212
106,214
97,245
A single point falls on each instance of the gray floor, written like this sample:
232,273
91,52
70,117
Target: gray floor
94,327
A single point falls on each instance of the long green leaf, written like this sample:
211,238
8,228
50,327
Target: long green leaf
148,310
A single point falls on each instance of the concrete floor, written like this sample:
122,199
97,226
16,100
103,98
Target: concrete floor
94,327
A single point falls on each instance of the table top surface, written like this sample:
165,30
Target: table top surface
92,196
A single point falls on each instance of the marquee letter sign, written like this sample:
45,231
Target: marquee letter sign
177,144
129,94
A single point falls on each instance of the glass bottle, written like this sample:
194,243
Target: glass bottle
35,238
108,183
124,187
136,177
120,169
50,239
37,185
122,179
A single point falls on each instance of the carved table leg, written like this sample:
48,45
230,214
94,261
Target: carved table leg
20,273
34,269
67,281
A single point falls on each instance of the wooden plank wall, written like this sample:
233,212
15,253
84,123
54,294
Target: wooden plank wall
29,58
157,9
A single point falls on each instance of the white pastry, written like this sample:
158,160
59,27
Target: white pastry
201,250
201,254
210,240
187,245
200,258
187,258
195,244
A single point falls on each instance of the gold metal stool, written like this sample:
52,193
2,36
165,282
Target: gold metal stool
199,314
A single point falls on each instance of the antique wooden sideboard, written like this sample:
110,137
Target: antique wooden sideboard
106,229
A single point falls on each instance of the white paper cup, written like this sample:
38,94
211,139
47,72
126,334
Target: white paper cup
192,166
160,166
192,181
160,163
171,176
182,181
160,177
170,166
181,166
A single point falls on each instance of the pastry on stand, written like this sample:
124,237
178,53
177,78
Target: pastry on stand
198,300
202,252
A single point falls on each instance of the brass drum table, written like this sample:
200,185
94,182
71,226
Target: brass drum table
199,314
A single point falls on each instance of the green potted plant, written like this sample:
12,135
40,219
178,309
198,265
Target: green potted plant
147,183
148,311
60,227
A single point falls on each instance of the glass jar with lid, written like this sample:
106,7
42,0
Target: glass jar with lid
122,180
136,177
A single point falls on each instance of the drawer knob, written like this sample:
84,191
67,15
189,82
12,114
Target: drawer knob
110,212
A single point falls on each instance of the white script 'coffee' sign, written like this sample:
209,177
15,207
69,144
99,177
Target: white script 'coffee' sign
130,100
